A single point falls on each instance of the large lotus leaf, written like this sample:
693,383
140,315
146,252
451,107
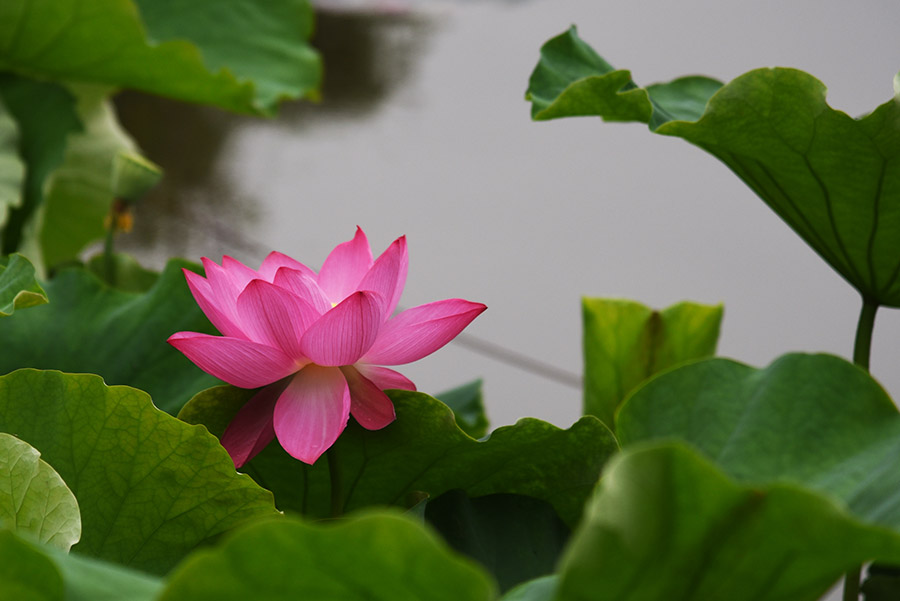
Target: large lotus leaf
834,179
80,191
150,487
12,168
626,342
45,115
370,557
666,524
32,571
423,453
814,420
516,538
241,55
18,287
90,327
33,498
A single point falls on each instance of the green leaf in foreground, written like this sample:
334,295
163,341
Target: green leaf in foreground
516,538
370,557
425,453
241,55
813,420
626,342
33,498
666,524
26,573
467,404
150,488
18,287
29,571
92,328
833,179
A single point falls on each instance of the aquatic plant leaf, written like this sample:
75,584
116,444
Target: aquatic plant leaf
424,453
626,342
832,178
92,328
240,55
33,498
370,557
150,487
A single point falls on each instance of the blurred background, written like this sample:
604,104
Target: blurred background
423,130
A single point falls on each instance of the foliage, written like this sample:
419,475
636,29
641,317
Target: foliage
626,342
59,138
830,177
722,481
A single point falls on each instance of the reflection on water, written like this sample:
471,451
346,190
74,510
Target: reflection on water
198,204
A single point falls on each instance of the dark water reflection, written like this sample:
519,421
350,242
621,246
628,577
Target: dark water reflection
368,57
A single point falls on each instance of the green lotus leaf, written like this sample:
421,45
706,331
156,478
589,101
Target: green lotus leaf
370,557
816,421
33,498
241,55
832,178
26,573
666,523
92,328
18,287
424,453
30,571
150,488
626,342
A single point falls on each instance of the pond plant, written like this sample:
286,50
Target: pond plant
129,470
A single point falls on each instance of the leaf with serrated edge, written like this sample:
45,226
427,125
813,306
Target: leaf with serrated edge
424,451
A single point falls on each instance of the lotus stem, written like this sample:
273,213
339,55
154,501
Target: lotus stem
862,348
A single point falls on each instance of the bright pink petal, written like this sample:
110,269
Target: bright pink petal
342,335
239,273
239,362
345,267
276,261
221,317
312,412
384,378
223,289
304,286
274,316
251,430
420,331
388,275
368,405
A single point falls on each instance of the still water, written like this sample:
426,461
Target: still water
423,131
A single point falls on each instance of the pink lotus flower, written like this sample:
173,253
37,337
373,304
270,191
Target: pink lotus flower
314,342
